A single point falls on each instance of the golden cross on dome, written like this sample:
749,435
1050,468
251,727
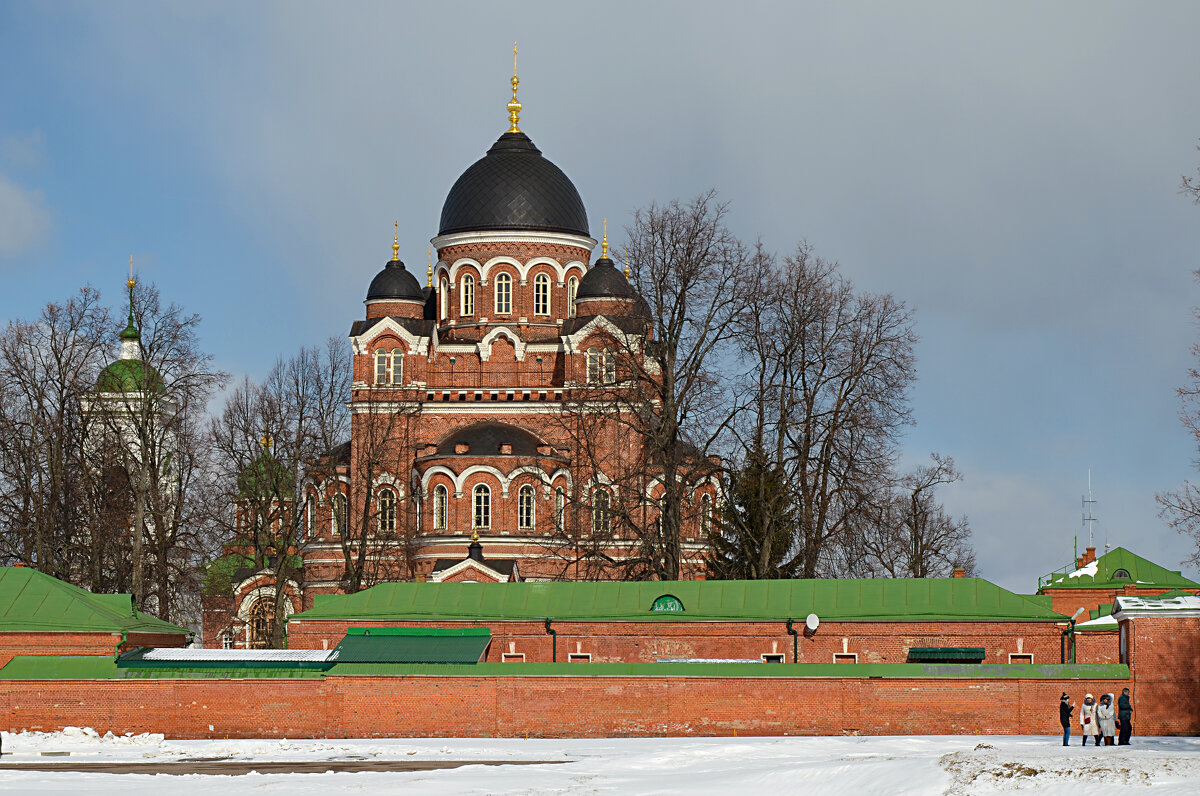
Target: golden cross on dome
266,440
604,243
429,271
131,281
396,242
514,106
628,273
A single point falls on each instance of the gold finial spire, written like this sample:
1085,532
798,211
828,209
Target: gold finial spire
604,243
266,440
628,273
514,107
131,281
429,270
474,536
396,242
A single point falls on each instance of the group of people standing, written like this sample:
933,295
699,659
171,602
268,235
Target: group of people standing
1099,720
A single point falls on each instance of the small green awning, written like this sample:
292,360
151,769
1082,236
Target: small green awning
412,645
945,654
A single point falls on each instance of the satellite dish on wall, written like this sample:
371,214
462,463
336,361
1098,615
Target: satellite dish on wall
811,623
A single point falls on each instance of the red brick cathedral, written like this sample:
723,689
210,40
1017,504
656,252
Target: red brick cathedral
489,440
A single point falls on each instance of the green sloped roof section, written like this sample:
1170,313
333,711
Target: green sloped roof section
945,599
1101,574
412,645
59,667
130,375
31,602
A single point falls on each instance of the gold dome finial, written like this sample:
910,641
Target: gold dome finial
514,107
628,273
266,440
604,243
131,281
474,536
396,242
429,270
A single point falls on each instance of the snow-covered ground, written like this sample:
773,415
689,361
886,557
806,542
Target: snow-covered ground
773,766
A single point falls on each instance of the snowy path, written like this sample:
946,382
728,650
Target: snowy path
773,766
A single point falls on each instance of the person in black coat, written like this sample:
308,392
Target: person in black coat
1065,709
1124,718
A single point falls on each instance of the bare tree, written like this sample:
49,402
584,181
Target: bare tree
1181,507
266,438
46,366
823,399
646,419
1190,186
910,535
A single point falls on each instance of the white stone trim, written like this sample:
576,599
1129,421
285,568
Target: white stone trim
416,345
255,595
481,468
514,236
484,346
470,563
573,342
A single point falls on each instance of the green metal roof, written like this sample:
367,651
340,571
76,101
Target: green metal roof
412,645
59,667
945,599
129,375
31,601
1102,574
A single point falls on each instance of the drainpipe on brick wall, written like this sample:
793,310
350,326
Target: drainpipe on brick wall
553,640
795,641
1070,631
121,643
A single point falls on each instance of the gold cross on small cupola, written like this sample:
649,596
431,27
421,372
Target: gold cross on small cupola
514,106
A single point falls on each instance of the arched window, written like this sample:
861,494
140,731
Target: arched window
560,507
483,508
610,367
397,366
1121,574
595,365
601,516
705,516
386,505
444,298
381,367
503,294
541,295
310,515
468,295
262,616
525,508
439,508
572,289
337,522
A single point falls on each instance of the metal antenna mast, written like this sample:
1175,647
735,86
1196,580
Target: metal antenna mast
1089,521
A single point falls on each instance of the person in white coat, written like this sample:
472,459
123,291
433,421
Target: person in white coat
1106,717
1087,718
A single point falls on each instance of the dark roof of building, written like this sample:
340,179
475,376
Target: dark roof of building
419,327
395,283
485,439
513,187
603,280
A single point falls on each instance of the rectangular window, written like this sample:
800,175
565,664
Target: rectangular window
1017,657
579,657
512,657
773,657
845,657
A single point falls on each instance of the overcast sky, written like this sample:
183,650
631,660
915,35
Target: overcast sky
1009,170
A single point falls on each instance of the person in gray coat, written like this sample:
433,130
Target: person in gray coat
1124,717
1106,716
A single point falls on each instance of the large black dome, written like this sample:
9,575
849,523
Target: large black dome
513,187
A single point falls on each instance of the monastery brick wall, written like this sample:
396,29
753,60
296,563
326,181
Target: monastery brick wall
1068,601
553,707
1164,659
12,644
646,642
1097,647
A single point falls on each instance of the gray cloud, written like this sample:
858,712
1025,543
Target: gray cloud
24,218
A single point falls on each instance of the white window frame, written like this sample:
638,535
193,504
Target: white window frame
560,508
467,296
385,504
1026,657
503,294
440,504
512,657
601,511
572,290
381,366
595,365
541,295
526,508
774,657
444,298
852,655
338,501
579,657
481,503
397,366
